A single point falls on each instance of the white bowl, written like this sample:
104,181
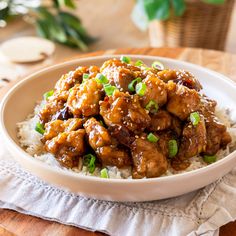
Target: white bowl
20,101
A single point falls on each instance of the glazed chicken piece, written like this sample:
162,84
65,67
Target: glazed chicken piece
69,80
50,110
53,128
102,143
84,99
180,77
148,161
164,138
217,135
182,101
155,90
124,110
160,121
67,147
194,139
119,73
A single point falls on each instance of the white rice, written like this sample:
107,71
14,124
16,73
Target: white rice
30,140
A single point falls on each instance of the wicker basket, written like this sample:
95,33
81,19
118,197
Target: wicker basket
202,25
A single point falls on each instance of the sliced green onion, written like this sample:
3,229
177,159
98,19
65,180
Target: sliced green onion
101,122
158,65
152,138
152,106
48,94
138,63
101,79
125,59
209,159
172,148
70,90
85,76
104,173
131,85
89,161
39,128
140,88
195,118
109,89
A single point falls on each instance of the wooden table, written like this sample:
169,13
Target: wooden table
13,223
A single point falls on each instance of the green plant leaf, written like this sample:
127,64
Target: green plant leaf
214,1
157,9
42,28
56,31
74,40
67,3
4,13
75,23
179,7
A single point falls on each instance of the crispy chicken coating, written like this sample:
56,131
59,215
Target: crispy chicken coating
156,90
182,101
124,110
84,99
180,77
67,147
102,143
148,161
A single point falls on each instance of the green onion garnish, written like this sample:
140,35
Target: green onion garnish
85,76
209,159
140,88
39,128
70,90
48,94
89,161
125,59
131,85
104,173
172,147
152,138
152,106
109,89
138,63
157,65
101,122
195,118
101,79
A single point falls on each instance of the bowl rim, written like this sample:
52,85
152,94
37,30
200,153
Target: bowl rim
44,166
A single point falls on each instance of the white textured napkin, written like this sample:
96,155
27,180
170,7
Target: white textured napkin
198,213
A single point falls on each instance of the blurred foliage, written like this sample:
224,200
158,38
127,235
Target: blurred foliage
147,10
53,22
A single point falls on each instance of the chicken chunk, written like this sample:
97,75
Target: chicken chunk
217,137
194,139
148,161
180,77
53,128
155,91
163,142
120,74
84,98
160,121
50,110
67,147
182,101
102,143
69,80
124,110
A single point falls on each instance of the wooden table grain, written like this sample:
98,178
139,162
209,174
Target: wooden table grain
14,223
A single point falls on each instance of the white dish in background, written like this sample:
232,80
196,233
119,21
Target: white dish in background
20,101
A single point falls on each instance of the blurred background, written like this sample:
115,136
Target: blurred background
88,25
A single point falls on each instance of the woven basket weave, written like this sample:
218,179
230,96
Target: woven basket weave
202,25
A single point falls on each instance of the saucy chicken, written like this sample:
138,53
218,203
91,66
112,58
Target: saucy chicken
126,114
